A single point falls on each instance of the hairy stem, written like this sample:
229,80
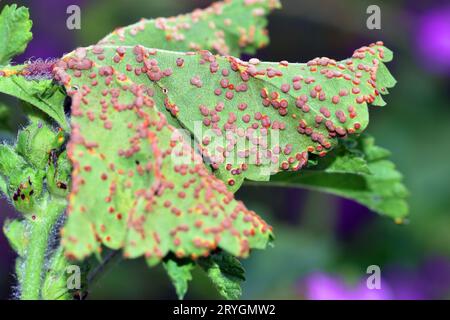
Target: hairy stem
40,231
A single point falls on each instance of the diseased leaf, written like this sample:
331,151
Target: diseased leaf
41,93
179,272
254,119
381,189
15,27
228,27
226,273
137,183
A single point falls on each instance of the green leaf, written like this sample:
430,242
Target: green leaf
36,142
137,183
255,119
179,272
23,183
381,189
10,161
44,94
228,27
54,286
25,188
15,27
15,232
226,273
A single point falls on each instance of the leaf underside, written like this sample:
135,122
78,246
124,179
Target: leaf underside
252,120
139,184
180,274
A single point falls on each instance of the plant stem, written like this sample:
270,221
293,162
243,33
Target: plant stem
40,232
110,258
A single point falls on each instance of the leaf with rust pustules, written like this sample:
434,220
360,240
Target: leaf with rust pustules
226,27
254,119
137,183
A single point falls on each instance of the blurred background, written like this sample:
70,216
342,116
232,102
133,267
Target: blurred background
324,244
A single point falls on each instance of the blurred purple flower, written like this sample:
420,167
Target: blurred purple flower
322,286
430,280
433,39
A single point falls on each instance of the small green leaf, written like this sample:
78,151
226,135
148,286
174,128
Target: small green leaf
227,27
15,232
36,141
225,272
25,188
57,278
180,274
381,189
44,94
54,286
15,27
